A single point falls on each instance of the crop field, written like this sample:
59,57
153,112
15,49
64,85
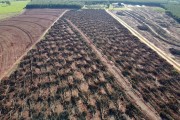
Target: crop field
19,33
62,78
152,77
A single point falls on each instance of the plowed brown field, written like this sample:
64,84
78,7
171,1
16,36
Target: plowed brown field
18,33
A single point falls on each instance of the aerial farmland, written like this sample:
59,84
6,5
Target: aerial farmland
25,31
89,60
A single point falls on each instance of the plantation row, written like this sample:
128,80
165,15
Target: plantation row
149,74
61,78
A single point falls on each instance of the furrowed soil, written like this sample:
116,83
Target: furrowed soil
153,79
19,33
62,78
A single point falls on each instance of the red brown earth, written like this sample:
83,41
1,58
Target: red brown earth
62,78
19,33
152,77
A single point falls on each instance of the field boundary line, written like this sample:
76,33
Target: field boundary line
15,64
148,111
147,42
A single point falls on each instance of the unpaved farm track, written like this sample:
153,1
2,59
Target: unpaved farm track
155,29
147,110
149,44
18,34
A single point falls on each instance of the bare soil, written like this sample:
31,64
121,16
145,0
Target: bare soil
163,31
150,112
45,86
152,78
18,33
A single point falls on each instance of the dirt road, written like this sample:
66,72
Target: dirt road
149,44
154,29
134,98
15,64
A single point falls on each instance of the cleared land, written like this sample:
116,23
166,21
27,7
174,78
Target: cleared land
157,27
151,77
87,66
62,78
134,98
19,33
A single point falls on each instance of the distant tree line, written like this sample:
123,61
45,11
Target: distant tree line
172,10
54,4
78,4
91,2
173,16
6,2
71,6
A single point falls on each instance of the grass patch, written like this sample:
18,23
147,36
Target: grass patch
118,8
159,9
15,7
173,8
4,16
97,6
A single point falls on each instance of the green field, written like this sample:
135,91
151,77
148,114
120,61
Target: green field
119,8
97,6
10,10
15,7
159,9
174,9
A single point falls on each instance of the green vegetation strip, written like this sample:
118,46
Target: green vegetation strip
101,4
173,10
54,4
14,7
81,3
